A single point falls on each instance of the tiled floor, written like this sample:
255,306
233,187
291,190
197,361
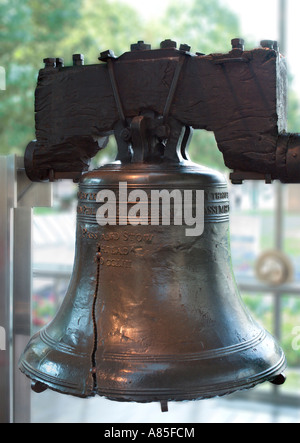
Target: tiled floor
50,407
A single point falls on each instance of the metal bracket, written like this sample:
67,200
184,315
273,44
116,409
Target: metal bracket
28,193
237,177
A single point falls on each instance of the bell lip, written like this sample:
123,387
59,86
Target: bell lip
55,384
207,392
75,391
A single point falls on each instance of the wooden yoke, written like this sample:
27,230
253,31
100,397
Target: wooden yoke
240,96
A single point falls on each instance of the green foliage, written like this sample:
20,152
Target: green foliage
111,25
261,308
204,150
31,30
28,30
15,21
293,112
290,308
206,25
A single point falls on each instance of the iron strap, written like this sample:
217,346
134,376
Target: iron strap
115,90
173,87
169,98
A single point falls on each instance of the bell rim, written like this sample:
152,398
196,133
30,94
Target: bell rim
207,392
157,395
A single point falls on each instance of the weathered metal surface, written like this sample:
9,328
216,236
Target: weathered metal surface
151,314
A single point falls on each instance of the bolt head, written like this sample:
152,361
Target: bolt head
184,47
59,62
49,62
78,59
140,46
237,43
126,134
267,44
105,55
168,44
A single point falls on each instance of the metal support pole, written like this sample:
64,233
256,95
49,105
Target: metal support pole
279,219
282,25
279,188
17,198
6,220
21,309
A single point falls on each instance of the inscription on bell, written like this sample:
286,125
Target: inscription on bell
217,209
87,195
115,263
86,210
115,236
219,195
122,206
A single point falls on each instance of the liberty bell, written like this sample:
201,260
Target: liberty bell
153,312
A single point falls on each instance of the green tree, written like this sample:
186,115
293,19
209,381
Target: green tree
208,27
31,30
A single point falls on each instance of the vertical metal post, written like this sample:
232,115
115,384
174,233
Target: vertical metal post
279,218
21,309
279,210
17,198
282,24
7,199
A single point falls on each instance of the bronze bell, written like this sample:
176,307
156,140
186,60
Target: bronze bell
152,312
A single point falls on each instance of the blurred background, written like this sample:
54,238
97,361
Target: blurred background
265,219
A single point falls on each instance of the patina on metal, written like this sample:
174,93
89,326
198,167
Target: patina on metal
152,314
